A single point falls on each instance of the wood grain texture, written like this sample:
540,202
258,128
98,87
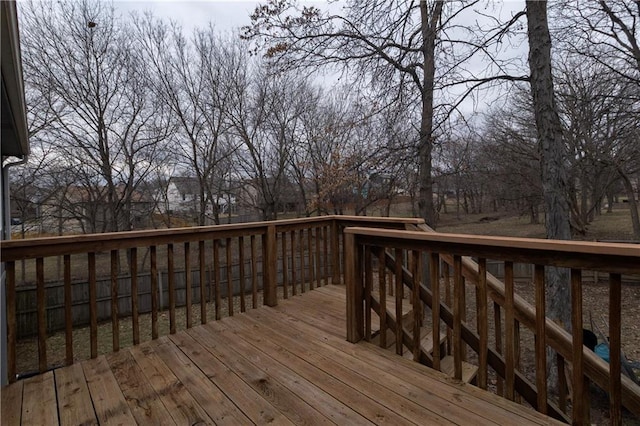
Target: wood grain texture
39,400
284,365
74,401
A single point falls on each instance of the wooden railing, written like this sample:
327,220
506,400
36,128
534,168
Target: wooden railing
203,266
432,265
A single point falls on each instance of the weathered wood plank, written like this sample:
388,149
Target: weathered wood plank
39,400
325,370
296,374
450,390
74,400
252,403
184,409
204,392
108,402
142,399
263,382
12,403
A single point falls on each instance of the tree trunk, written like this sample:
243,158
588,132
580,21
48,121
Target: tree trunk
425,181
552,156
633,205
551,149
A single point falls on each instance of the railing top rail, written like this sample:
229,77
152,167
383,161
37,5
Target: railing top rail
612,257
48,246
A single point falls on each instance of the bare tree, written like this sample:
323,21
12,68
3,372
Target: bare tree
394,46
605,31
101,120
188,75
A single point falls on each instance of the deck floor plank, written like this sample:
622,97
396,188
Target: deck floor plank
325,403
108,401
220,408
173,393
74,400
378,405
12,403
144,402
407,369
39,400
413,402
285,365
254,405
289,403
409,384
346,388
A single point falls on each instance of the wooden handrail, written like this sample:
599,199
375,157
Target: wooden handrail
315,257
614,258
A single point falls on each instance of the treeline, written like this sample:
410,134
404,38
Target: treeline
119,104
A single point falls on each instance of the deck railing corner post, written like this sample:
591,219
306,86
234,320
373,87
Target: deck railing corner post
335,252
353,281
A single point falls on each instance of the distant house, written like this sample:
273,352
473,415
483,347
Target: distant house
80,209
183,198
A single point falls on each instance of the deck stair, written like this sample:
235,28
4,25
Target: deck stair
469,371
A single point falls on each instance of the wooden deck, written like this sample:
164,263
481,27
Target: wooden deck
284,365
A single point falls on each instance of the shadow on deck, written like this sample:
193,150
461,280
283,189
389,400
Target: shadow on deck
284,365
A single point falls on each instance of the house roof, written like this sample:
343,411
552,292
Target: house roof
14,116
186,185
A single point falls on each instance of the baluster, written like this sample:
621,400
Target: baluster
416,262
228,259
93,307
134,295
325,248
203,294
463,315
154,292
509,331
498,333
254,273
115,326
447,299
285,267
580,402
482,323
368,279
294,285
615,328
382,290
243,307
310,255
540,338
318,257
335,252
10,269
302,266
270,256
172,289
187,281
434,270
398,281
68,314
217,279
42,315
457,317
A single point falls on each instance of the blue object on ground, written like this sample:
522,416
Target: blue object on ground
602,350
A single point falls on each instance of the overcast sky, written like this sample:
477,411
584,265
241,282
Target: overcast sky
225,14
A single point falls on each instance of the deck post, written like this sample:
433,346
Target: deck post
353,280
335,252
270,257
